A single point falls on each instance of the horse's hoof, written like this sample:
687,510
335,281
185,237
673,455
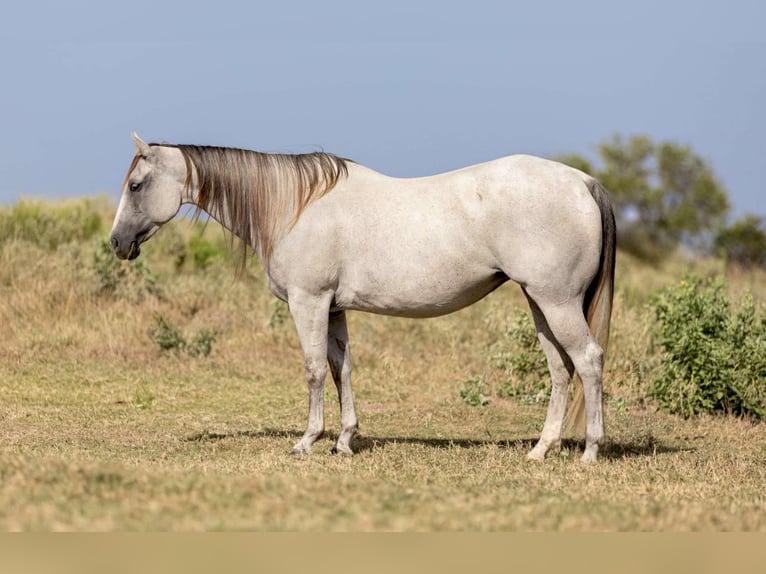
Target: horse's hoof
536,454
343,451
588,458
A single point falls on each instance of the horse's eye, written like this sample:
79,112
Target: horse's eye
134,186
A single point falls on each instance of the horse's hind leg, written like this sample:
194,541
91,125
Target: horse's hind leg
339,357
568,326
561,370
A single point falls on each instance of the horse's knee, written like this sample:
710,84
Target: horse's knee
316,371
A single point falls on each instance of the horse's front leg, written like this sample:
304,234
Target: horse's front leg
339,357
310,313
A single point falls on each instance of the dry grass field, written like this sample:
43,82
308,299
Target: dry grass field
102,429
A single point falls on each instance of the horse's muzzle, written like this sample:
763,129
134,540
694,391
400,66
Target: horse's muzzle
125,249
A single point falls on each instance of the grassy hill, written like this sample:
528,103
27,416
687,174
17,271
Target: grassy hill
165,393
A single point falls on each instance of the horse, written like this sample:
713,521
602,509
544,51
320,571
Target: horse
335,236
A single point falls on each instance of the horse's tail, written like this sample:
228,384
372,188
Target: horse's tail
597,305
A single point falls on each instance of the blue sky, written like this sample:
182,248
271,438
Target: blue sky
408,88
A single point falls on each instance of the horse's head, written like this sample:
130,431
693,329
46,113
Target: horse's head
152,194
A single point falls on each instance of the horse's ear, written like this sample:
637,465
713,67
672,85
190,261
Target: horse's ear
142,147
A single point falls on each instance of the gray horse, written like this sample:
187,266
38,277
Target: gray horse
336,236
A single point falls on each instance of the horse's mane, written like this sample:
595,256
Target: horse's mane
263,195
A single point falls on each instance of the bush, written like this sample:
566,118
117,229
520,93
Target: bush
744,243
204,252
712,360
169,338
201,344
525,370
49,225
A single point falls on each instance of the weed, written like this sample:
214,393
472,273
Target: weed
475,391
142,399
201,344
169,338
280,313
619,405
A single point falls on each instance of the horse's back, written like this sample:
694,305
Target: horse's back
521,214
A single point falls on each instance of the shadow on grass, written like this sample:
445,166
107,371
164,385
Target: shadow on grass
265,433
647,445
643,446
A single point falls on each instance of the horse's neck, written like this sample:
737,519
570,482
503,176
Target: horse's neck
274,221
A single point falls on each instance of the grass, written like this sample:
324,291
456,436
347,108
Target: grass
102,430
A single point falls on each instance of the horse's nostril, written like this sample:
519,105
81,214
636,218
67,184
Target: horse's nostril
115,243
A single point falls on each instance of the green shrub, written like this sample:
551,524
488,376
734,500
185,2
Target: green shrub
712,360
201,344
522,361
204,252
49,225
169,338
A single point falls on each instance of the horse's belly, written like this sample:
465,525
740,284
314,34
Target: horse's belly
416,295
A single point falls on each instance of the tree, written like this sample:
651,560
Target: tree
626,173
694,204
744,242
